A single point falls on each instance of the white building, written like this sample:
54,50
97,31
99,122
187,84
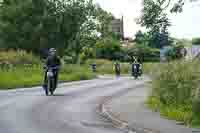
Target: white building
117,26
193,51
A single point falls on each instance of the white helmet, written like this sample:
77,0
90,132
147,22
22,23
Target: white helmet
52,50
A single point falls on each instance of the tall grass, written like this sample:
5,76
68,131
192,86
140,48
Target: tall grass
20,77
174,89
150,68
74,72
23,69
18,57
32,76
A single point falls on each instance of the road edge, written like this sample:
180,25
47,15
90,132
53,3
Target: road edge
117,122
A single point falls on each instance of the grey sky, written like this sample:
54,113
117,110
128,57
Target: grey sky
184,25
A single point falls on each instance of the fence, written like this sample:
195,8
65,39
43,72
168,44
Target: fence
5,66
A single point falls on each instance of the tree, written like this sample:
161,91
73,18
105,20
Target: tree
97,21
39,24
85,34
108,48
142,38
177,5
143,53
104,19
156,21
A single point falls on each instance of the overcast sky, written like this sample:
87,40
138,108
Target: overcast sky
184,25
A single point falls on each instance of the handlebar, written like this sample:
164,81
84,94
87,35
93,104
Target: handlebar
53,68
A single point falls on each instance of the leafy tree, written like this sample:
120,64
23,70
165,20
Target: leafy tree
142,38
156,21
39,24
143,53
98,22
104,19
177,5
108,48
85,34
139,36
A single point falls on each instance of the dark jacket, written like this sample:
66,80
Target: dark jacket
53,61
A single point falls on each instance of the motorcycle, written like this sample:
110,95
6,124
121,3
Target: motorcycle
136,72
51,86
117,70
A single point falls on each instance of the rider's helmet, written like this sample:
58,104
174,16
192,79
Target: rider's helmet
52,51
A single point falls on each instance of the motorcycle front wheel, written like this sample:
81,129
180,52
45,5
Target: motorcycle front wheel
135,76
49,87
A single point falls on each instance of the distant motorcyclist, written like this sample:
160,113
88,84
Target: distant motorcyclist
53,61
136,68
117,68
94,67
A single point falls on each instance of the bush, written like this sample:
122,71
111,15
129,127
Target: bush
196,41
151,55
174,85
99,62
176,52
68,59
108,48
144,53
74,72
87,53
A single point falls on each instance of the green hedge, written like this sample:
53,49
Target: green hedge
196,41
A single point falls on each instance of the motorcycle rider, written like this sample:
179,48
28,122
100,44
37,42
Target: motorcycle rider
53,61
117,68
135,67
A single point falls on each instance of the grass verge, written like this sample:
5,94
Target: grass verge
33,76
182,113
175,92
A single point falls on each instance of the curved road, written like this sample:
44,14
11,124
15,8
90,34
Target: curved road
73,109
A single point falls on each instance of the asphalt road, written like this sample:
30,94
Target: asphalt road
73,109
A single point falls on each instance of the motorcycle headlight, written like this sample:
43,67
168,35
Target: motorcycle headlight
49,74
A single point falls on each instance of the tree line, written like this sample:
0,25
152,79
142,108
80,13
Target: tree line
79,28
36,25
